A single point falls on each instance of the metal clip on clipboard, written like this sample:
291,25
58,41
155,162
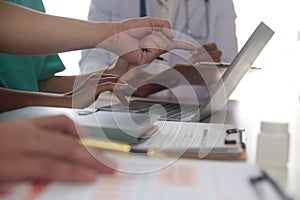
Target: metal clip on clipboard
240,132
240,141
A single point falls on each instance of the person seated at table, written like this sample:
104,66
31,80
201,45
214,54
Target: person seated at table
211,23
32,78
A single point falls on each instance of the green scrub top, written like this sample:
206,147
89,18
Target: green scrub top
24,72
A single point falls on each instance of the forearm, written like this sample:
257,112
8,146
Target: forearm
64,84
57,84
13,99
28,32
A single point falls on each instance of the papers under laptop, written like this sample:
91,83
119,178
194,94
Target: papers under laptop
218,93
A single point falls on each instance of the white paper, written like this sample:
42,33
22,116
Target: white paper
181,179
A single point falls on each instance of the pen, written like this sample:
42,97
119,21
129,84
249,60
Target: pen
219,64
160,58
113,146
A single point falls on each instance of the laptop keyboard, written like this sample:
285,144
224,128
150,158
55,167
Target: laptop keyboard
167,111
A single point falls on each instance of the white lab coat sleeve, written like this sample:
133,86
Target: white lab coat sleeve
95,59
225,30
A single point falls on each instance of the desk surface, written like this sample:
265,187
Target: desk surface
245,115
238,113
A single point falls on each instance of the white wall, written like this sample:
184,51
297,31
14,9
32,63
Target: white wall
279,60
282,16
277,85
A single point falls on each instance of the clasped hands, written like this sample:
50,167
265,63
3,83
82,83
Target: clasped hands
137,41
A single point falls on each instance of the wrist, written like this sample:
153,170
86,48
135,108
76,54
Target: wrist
102,32
55,100
64,100
116,28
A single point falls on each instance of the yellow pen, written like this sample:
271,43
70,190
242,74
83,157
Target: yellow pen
113,146
107,145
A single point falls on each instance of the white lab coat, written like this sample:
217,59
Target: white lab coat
222,29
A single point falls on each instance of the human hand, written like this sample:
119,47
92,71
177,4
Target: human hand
86,92
206,53
148,89
136,76
46,148
141,40
139,79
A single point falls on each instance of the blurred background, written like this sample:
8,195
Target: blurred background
276,86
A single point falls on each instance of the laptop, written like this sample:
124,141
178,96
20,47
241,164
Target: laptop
218,92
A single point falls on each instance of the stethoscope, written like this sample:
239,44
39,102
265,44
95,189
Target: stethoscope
189,32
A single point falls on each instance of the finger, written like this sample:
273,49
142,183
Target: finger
156,40
92,82
160,41
216,55
199,50
179,44
200,56
118,89
209,47
66,148
45,168
120,93
158,22
108,79
101,76
164,26
115,86
60,123
109,75
168,32
173,44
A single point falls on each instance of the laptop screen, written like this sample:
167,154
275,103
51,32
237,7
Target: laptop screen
221,91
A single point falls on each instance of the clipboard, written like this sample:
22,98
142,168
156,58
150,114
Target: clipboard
240,157
199,141
217,137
